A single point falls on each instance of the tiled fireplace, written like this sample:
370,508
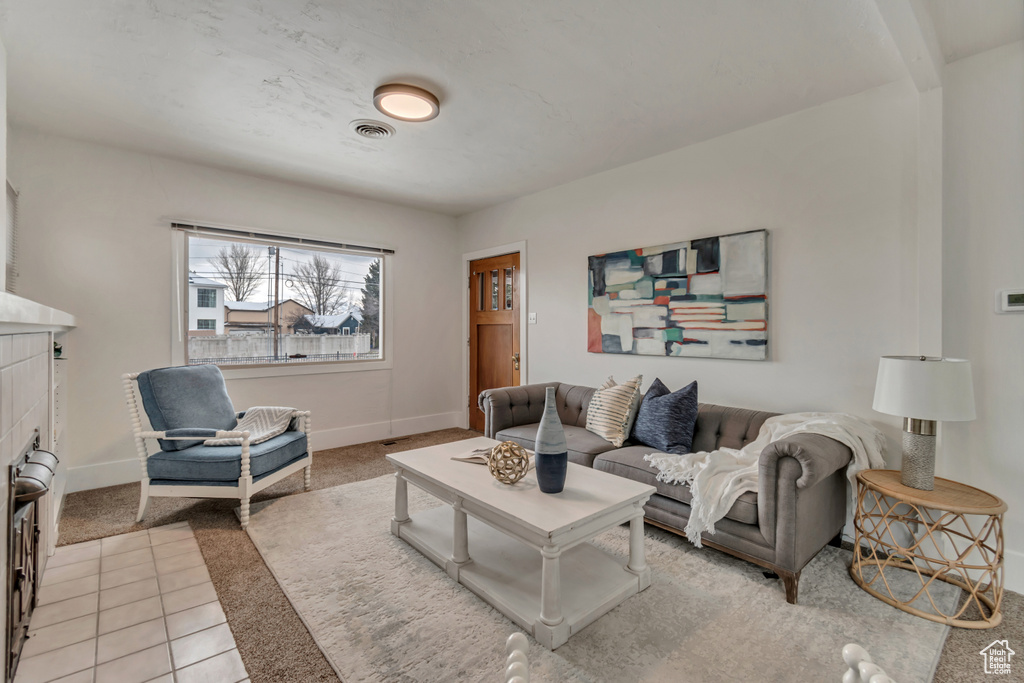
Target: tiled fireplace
25,387
29,383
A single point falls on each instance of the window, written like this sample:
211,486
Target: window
280,290
206,298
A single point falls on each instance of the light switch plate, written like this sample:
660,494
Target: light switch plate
533,318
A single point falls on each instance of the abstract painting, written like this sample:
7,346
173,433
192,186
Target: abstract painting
706,297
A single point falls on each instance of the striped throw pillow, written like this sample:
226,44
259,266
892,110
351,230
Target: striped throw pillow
613,408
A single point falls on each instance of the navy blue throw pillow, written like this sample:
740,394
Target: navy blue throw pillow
666,419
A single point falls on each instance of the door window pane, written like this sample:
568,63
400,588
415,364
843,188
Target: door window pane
508,289
494,290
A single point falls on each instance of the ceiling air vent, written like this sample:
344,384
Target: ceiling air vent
376,130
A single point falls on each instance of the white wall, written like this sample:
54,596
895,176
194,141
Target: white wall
983,235
834,185
97,244
3,156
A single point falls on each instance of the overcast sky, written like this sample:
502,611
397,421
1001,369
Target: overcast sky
353,268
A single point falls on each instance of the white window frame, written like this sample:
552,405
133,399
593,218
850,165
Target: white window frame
199,322
179,323
10,244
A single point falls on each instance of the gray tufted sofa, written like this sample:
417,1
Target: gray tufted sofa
800,505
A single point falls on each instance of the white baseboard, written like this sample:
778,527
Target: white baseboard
103,474
377,431
126,471
1013,571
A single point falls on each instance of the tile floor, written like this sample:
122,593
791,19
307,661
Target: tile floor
129,609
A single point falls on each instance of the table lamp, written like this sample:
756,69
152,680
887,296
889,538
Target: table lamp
923,390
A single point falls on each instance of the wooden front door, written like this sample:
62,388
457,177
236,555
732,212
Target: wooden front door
493,328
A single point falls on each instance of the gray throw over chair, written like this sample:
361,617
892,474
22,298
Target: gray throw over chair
188,404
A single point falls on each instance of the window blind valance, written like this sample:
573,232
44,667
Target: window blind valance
254,236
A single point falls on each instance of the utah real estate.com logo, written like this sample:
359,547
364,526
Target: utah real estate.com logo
997,657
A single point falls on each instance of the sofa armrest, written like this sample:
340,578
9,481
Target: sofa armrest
801,498
512,406
818,457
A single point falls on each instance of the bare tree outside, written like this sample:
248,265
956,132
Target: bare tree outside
370,306
240,268
318,285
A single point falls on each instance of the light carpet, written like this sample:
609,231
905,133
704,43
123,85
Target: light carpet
380,611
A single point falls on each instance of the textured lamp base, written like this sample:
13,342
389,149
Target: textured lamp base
918,470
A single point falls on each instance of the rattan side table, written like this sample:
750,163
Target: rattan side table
958,538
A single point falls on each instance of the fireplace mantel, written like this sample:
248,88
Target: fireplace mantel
19,316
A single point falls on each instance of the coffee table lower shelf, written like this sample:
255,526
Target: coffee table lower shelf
507,574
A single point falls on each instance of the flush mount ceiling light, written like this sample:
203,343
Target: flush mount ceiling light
406,102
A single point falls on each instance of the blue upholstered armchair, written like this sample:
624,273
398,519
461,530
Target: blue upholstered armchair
186,405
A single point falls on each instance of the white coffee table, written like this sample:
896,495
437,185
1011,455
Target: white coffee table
512,545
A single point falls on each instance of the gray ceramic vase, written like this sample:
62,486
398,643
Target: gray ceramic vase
551,453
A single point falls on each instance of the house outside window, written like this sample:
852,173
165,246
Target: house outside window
283,302
206,324
202,292
206,298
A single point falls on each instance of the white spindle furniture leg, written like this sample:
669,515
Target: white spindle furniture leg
245,481
637,556
127,380
307,482
861,669
401,502
551,586
460,540
517,666
853,655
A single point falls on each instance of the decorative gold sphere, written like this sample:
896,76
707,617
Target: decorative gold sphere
508,462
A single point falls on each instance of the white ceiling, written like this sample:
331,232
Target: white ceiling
533,93
967,27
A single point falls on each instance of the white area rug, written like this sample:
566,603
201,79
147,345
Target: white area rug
380,611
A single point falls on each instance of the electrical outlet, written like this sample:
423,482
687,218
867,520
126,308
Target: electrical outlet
533,318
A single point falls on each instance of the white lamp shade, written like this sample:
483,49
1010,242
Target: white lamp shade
925,389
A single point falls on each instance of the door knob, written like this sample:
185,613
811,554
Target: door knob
515,361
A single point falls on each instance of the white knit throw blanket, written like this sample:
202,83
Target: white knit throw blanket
262,422
718,478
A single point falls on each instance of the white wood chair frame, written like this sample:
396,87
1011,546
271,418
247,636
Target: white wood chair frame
245,488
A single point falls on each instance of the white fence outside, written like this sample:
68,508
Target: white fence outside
228,346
